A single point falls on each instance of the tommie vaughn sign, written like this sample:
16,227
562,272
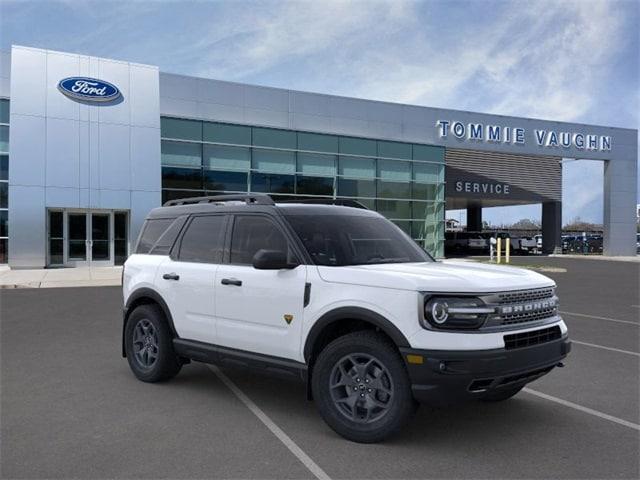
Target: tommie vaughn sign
478,132
88,89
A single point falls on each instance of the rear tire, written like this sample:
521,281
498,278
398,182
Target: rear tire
502,394
149,345
361,387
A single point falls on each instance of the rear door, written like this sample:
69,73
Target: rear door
259,310
187,278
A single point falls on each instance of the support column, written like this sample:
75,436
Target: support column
474,218
620,198
551,227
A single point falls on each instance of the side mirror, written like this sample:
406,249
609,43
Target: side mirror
271,260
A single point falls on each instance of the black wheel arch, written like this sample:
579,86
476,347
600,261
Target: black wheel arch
146,296
351,313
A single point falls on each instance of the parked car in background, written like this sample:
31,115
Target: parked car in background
457,243
538,248
529,245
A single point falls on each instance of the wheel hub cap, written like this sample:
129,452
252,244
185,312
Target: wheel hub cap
145,343
361,388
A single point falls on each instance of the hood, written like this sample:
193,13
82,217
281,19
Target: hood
444,276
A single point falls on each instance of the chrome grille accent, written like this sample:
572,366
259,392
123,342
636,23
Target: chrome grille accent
522,296
517,316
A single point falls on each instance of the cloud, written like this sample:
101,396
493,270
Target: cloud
569,60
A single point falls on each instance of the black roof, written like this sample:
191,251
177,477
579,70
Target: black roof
257,202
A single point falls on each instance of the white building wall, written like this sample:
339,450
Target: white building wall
71,154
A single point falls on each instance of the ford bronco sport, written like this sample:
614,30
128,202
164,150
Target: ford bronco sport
339,297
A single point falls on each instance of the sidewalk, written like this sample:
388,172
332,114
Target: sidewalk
635,258
61,277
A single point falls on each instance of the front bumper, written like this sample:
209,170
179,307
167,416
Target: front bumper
450,376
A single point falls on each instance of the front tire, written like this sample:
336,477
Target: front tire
149,345
361,387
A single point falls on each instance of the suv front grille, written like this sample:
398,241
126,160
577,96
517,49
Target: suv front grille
534,337
526,297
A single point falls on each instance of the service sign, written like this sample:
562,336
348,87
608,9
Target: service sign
88,89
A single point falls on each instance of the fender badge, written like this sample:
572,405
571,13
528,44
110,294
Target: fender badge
288,318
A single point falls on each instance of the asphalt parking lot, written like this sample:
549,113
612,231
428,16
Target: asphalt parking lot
70,407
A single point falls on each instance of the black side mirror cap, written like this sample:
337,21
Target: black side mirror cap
272,260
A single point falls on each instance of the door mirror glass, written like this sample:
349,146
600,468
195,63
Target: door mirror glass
271,260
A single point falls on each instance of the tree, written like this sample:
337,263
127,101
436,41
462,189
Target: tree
525,224
579,225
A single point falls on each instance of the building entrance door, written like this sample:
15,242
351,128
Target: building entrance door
80,238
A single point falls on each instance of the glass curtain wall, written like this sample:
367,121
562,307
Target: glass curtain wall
402,181
4,181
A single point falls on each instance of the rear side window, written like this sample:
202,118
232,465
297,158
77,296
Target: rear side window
152,231
203,240
253,233
168,238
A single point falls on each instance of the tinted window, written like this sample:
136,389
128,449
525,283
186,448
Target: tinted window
4,167
204,239
163,245
253,233
263,182
190,178
314,185
338,240
151,233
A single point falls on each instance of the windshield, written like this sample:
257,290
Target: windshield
340,240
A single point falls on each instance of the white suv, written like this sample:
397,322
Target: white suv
339,297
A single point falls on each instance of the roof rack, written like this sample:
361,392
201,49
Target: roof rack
248,198
344,202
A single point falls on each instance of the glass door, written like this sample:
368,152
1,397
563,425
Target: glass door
100,241
77,240
82,238
120,237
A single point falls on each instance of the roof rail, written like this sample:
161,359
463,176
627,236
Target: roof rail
248,198
344,202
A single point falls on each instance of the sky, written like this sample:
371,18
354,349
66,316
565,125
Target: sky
558,60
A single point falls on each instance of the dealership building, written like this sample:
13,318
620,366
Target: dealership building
88,146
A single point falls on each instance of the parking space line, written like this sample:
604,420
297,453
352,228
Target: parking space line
600,318
590,411
270,424
628,352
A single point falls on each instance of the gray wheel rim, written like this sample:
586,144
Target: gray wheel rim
145,343
361,388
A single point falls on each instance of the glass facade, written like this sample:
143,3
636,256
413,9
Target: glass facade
4,181
402,181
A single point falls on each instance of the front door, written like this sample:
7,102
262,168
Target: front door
259,310
86,238
100,244
77,239
186,280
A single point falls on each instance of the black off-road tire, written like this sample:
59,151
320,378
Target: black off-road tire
383,358
501,394
147,328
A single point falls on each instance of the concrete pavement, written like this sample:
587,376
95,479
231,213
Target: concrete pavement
72,409
61,277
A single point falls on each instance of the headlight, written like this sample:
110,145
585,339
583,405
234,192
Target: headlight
455,312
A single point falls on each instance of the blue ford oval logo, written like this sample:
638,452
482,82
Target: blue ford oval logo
89,89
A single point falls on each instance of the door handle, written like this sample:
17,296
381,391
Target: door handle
231,281
171,276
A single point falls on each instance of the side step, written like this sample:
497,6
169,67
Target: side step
230,357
